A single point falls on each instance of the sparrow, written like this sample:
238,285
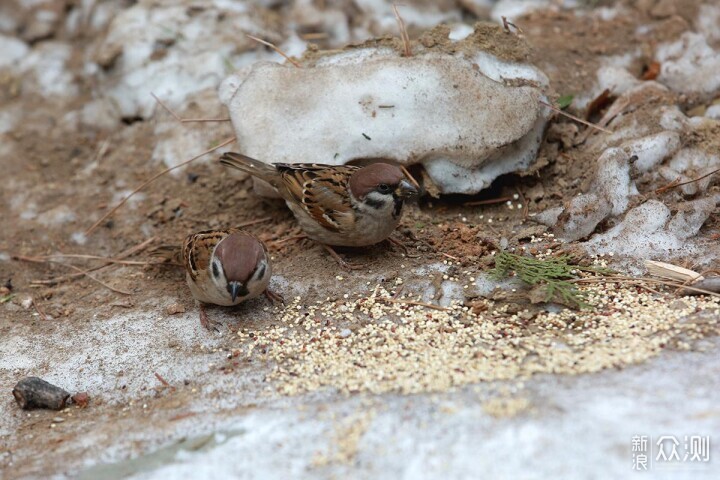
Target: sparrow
225,267
336,205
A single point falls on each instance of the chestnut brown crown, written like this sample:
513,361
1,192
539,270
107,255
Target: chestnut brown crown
375,176
239,255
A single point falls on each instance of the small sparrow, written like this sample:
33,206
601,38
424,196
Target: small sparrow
344,206
225,267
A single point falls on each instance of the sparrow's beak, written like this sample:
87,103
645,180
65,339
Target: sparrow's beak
237,289
405,189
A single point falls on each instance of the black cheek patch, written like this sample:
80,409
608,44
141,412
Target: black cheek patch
376,204
216,271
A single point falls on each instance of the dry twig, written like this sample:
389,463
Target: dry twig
266,43
80,271
488,202
410,177
163,381
573,117
122,255
152,179
640,280
186,120
677,183
413,302
403,32
39,310
93,257
525,202
507,24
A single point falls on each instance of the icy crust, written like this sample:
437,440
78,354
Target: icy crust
690,65
174,49
466,115
684,149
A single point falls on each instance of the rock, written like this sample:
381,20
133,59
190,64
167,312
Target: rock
34,392
81,399
175,308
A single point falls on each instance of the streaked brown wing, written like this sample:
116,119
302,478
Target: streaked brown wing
321,190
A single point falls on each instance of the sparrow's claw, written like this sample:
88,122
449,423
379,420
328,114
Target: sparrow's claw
205,320
274,297
340,260
404,247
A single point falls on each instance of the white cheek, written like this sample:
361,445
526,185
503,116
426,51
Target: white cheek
377,198
218,280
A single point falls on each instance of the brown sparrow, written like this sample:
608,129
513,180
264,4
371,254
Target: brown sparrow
225,267
343,205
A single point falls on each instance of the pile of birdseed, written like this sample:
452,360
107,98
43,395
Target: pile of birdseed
374,345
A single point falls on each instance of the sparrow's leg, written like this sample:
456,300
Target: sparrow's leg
205,320
273,297
339,259
404,247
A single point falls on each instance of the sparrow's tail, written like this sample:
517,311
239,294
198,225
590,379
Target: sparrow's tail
256,168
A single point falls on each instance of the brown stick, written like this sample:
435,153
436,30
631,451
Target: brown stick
641,280
675,183
152,179
253,222
73,267
93,257
127,253
163,381
314,36
525,202
403,31
39,310
573,117
507,24
289,239
410,177
186,120
413,302
489,202
182,415
259,40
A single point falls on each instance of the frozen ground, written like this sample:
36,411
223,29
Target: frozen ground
79,129
547,427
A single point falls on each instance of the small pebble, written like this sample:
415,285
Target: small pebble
345,332
175,308
26,302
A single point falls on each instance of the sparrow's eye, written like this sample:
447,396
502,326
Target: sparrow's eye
216,270
384,188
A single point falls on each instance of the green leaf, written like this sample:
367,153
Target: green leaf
564,101
6,298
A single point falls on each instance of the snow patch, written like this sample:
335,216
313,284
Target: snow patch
57,216
12,51
690,65
370,103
